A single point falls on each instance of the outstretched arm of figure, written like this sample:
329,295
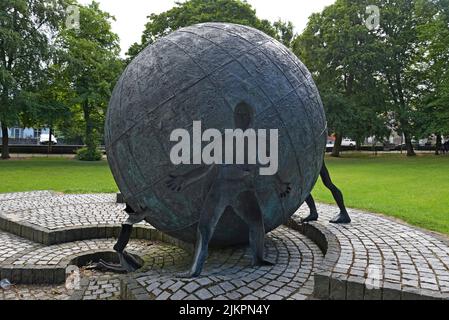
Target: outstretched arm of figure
178,183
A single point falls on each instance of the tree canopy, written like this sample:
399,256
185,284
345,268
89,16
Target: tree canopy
191,12
373,78
27,29
91,67
341,54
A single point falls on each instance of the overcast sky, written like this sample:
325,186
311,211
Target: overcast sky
131,14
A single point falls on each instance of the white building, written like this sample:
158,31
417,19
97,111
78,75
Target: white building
17,133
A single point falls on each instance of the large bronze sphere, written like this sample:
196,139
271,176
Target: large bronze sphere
202,73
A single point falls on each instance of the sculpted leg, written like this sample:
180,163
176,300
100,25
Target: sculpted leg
343,216
248,210
313,215
127,262
209,218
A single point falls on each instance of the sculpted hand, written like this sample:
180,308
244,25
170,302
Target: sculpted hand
176,183
284,189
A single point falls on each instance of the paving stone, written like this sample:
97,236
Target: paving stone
204,294
408,259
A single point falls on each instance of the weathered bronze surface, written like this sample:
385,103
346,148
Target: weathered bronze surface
202,73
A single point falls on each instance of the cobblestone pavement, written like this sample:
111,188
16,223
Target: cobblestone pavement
49,218
11,245
57,211
96,285
394,260
228,274
28,292
41,233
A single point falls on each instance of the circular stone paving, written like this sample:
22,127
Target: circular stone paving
42,233
36,249
228,273
379,258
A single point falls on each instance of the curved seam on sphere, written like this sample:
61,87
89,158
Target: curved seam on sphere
281,121
131,154
293,87
112,141
238,35
207,76
309,80
300,69
266,96
294,91
149,111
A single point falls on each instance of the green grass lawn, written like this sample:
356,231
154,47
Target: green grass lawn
415,190
58,174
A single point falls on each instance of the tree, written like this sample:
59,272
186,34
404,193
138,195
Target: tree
285,32
197,11
342,55
48,105
26,30
397,38
92,68
433,32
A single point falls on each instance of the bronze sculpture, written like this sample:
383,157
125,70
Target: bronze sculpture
340,218
226,76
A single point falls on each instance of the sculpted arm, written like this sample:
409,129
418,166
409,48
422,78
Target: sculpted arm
178,183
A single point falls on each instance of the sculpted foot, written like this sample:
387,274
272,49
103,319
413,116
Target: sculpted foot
310,218
127,264
188,275
341,218
262,263
107,267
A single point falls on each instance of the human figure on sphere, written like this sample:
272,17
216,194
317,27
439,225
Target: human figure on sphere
232,187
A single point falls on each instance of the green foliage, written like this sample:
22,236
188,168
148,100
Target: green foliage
89,154
198,11
343,57
285,32
91,69
397,39
433,32
395,76
27,30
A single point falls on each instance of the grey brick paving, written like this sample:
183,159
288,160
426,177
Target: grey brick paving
228,273
373,258
379,250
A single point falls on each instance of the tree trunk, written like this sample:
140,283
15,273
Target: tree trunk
358,145
375,147
50,141
89,140
337,147
408,145
91,153
5,142
438,145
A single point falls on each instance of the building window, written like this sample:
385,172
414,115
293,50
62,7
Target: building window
37,133
17,133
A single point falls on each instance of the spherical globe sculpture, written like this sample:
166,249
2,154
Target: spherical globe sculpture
202,73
